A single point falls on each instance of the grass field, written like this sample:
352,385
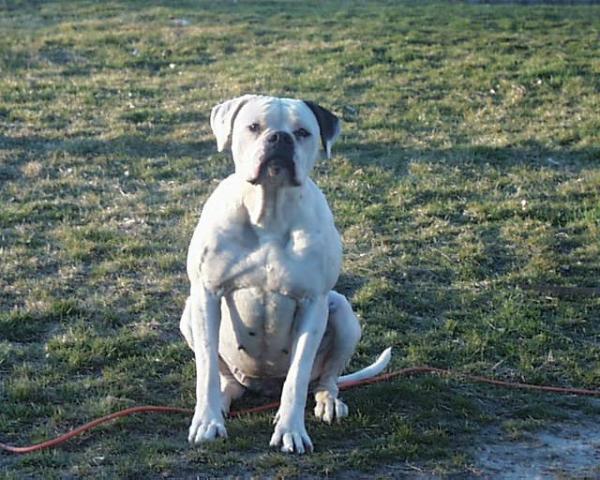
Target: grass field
466,186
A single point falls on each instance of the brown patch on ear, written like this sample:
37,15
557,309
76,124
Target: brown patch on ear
329,124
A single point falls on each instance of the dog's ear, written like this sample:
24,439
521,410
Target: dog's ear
329,124
222,117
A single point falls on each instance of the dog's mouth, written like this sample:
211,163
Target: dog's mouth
276,170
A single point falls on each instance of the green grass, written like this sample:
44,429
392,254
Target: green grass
466,186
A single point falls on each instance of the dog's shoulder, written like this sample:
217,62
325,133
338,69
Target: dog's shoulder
218,215
223,201
316,205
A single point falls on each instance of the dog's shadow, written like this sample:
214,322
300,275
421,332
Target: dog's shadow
348,284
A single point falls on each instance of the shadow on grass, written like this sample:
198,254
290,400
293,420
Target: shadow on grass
468,270
425,292
124,146
97,260
395,158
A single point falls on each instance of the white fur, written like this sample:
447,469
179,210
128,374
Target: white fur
262,264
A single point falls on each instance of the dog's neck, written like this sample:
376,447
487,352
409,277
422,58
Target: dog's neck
270,207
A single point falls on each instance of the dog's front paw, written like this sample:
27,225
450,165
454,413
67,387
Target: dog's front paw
206,426
291,434
328,407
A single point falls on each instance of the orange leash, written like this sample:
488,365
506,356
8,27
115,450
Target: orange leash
270,406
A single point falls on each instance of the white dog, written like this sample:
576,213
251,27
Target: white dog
262,264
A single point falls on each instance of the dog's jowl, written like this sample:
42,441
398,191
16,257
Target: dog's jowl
262,264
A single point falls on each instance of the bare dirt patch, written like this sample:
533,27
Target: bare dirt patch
565,450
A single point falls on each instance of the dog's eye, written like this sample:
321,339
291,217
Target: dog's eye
302,133
254,127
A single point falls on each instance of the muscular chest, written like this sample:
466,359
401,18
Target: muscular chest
291,263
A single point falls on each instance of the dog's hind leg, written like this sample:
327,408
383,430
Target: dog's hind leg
344,333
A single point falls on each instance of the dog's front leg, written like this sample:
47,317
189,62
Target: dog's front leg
208,423
290,431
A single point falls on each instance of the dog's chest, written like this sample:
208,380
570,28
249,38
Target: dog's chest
286,263
264,280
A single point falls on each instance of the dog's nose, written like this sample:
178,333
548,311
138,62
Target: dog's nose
280,137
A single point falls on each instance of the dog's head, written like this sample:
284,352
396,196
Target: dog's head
273,140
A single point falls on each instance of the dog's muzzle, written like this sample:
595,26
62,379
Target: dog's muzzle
278,159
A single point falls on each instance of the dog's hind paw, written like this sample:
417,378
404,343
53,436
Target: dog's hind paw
206,428
328,407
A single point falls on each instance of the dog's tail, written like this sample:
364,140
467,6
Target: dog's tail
374,369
